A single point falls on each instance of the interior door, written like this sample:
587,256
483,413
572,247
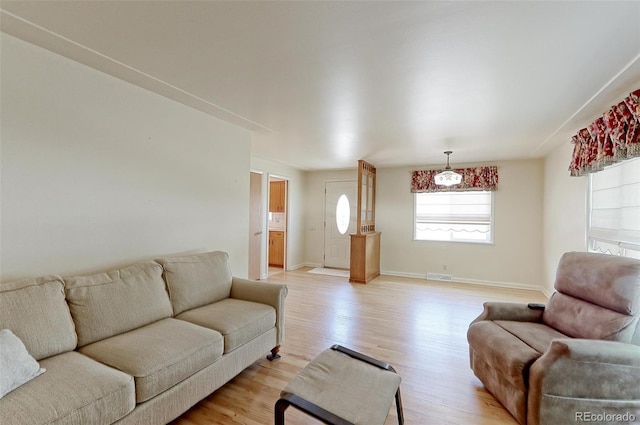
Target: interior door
340,221
255,225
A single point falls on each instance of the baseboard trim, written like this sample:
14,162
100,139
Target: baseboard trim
456,279
296,267
546,292
403,274
511,285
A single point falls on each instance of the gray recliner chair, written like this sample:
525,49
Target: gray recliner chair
575,360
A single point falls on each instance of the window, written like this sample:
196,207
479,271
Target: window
343,214
614,209
454,216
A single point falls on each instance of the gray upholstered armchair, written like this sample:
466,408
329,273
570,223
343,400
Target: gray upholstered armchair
575,360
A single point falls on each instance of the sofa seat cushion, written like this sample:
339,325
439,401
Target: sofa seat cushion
237,320
503,352
159,355
536,335
74,390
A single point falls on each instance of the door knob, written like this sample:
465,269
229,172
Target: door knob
257,233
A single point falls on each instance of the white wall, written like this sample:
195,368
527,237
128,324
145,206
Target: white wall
565,212
99,173
295,208
515,259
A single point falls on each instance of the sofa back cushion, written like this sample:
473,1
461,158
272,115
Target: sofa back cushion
36,312
580,319
609,281
197,280
114,302
598,297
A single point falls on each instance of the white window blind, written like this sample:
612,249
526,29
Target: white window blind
454,216
614,213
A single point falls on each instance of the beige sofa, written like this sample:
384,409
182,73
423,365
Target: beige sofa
137,345
575,360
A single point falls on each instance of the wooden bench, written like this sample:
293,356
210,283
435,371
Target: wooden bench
343,387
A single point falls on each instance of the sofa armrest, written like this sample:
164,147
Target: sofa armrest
578,377
509,311
265,293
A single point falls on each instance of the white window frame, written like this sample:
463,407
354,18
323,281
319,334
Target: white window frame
489,241
623,201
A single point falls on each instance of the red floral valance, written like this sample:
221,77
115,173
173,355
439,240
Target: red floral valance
477,178
611,138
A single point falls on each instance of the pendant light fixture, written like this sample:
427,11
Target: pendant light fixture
448,177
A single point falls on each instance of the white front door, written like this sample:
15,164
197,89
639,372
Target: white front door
340,221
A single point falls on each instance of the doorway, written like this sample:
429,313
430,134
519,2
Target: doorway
340,221
277,224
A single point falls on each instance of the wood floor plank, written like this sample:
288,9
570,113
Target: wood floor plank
418,326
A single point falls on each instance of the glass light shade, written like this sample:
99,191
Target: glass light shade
448,178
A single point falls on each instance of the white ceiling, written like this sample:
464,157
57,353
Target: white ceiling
322,84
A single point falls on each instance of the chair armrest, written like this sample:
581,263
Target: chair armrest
509,311
265,293
581,376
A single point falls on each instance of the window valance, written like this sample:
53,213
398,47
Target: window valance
609,139
476,178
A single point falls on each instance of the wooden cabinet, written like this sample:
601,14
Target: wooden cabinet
365,243
276,196
276,248
365,257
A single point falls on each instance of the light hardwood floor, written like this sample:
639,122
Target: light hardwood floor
417,326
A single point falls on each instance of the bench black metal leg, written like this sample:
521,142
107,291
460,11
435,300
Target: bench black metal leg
399,408
362,357
280,407
309,408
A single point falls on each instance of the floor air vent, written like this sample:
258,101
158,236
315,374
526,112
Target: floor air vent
439,276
